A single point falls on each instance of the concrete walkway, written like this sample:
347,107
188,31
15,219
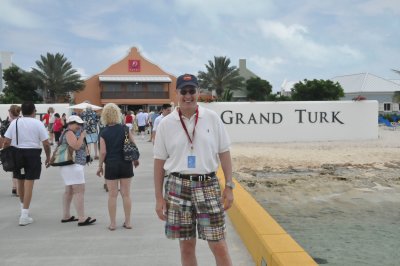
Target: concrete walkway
49,242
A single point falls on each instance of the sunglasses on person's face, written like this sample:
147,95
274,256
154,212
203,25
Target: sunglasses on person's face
191,91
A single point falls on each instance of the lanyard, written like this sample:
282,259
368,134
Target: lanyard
194,128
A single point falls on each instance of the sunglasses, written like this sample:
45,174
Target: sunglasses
191,91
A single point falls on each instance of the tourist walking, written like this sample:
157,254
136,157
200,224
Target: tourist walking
74,175
141,118
166,110
189,144
129,120
117,171
91,120
48,120
31,133
57,127
13,113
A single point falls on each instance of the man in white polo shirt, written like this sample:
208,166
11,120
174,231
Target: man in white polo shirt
31,136
142,121
166,110
189,144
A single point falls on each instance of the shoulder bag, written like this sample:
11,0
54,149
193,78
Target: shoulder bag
11,157
63,154
131,151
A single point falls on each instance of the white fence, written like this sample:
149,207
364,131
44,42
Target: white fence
298,121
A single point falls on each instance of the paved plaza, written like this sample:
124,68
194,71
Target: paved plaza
48,242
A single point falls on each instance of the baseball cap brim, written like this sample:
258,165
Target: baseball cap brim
188,83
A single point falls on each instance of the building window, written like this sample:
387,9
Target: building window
111,87
131,87
155,87
387,107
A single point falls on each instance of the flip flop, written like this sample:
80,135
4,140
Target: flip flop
71,219
88,221
111,228
126,226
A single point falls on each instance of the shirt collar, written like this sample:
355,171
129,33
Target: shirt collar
175,113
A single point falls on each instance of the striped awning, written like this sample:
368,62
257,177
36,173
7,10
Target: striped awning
134,78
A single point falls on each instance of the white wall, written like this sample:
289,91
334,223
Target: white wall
289,121
40,109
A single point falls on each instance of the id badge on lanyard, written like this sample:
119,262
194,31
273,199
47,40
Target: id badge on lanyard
191,159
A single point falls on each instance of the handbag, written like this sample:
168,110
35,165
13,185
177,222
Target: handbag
11,157
63,154
89,158
131,151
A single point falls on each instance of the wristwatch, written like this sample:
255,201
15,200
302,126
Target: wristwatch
230,184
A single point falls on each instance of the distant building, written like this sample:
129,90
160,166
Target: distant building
372,88
286,88
5,62
133,82
246,74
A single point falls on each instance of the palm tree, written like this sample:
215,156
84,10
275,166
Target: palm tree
220,76
56,77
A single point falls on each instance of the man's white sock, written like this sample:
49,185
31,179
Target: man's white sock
24,213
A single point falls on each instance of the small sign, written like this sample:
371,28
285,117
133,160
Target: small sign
134,65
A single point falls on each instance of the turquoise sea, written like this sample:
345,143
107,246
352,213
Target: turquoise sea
359,233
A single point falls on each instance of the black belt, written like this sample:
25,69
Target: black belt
195,177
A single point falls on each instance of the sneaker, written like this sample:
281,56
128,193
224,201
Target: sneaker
25,220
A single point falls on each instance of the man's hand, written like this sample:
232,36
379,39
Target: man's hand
136,163
227,198
47,162
161,209
99,171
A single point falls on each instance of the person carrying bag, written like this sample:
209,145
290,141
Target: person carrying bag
72,148
11,157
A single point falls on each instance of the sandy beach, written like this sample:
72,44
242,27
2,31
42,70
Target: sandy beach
340,200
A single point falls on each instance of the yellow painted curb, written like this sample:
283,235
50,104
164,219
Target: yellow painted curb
268,243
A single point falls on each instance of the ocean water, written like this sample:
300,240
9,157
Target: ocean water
355,233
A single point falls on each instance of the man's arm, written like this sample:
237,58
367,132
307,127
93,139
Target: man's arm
226,164
159,173
47,150
6,143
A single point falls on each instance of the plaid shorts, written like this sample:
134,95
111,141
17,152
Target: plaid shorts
191,203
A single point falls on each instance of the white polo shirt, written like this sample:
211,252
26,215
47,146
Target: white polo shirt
141,119
157,122
173,146
31,133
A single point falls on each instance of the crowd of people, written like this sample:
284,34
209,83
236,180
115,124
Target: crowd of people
187,192
81,132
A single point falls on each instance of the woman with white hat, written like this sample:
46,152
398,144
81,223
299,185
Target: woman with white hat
73,175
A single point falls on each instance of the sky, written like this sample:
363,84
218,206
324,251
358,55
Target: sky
292,39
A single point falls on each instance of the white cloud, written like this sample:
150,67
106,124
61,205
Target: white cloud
89,30
237,8
11,12
298,44
184,56
376,7
267,65
214,13
81,71
282,32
